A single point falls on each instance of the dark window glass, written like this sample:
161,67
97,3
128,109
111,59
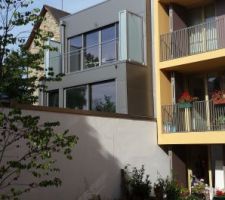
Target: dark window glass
75,48
103,97
76,98
91,51
216,83
109,44
53,98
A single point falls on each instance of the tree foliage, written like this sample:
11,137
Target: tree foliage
28,149
21,72
106,105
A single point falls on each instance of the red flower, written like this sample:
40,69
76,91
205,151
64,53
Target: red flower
185,97
220,193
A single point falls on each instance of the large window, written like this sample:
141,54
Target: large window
97,96
103,97
109,44
53,98
75,53
76,98
204,37
93,48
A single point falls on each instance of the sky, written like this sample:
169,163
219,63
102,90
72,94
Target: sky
71,6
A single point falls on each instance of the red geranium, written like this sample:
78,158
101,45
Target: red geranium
185,97
218,97
220,193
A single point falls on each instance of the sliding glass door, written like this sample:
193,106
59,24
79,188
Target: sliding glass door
203,29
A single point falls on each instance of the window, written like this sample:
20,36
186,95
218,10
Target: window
53,98
91,51
216,82
75,55
88,50
52,58
103,96
76,98
204,37
109,37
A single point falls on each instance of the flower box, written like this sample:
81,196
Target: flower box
219,198
219,101
185,105
218,97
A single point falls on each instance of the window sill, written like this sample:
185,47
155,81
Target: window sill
105,65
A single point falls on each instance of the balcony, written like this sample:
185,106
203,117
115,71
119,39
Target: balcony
201,38
86,57
200,116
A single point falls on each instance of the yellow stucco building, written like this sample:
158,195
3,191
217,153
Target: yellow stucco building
189,43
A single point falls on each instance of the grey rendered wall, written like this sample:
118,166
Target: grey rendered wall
105,146
138,90
101,15
116,71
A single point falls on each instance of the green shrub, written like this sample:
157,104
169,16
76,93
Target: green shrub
192,197
160,188
136,185
167,189
173,190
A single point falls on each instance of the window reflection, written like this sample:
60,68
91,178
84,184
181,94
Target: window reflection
109,44
53,98
86,50
91,51
76,98
103,97
75,48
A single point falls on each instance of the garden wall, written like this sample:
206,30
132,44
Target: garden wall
106,144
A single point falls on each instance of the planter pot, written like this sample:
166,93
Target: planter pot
219,101
184,105
219,198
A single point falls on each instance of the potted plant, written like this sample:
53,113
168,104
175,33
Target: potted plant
219,195
218,97
185,100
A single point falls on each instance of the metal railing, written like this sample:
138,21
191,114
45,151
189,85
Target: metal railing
87,57
192,40
200,116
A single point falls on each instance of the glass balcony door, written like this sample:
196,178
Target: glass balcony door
203,30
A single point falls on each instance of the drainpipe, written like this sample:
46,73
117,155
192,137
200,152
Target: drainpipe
154,66
171,17
173,87
63,53
63,60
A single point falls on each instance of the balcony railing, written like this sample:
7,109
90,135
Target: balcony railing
200,116
196,39
95,55
84,58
